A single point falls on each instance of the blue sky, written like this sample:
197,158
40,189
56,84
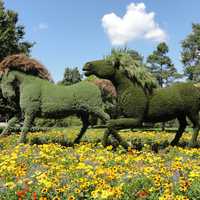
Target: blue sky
70,32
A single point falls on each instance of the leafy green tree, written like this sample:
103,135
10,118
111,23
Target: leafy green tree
11,34
71,76
190,55
161,65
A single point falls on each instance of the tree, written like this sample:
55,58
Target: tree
161,65
11,34
71,76
190,55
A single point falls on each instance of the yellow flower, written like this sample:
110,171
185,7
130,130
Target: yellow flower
56,198
60,190
109,148
184,185
77,191
10,185
44,190
71,198
43,198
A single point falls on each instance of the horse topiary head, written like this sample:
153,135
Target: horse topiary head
100,68
120,61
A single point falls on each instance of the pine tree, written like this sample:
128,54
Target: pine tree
71,76
161,65
190,55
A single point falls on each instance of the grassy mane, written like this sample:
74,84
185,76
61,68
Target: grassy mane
134,69
23,63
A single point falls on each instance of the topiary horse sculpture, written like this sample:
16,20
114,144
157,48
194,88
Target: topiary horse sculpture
138,101
38,97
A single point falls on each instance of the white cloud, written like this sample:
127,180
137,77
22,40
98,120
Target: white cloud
41,26
137,23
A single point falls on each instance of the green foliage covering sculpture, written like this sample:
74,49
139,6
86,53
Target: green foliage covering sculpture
30,82
138,99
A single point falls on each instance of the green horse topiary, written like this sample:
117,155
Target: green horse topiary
27,79
138,101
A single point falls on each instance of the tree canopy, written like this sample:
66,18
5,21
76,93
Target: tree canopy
11,34
190,55
161,65
71,76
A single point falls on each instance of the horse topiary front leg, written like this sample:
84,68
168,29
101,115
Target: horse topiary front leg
14,120
117,124
181,129
26,127
85,121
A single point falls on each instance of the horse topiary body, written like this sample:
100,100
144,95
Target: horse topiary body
138,102
41,98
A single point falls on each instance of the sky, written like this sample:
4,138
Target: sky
68,33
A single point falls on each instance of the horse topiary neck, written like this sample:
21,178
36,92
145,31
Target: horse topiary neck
121,82
21,76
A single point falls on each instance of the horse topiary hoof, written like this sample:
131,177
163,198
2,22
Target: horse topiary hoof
104,144
173,143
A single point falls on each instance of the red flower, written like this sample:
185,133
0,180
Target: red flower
142,194
34,196
20,194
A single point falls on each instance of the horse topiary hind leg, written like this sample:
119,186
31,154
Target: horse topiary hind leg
194,117
10,125
26,127
105,137
117,124
104,117
85,121
181,129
